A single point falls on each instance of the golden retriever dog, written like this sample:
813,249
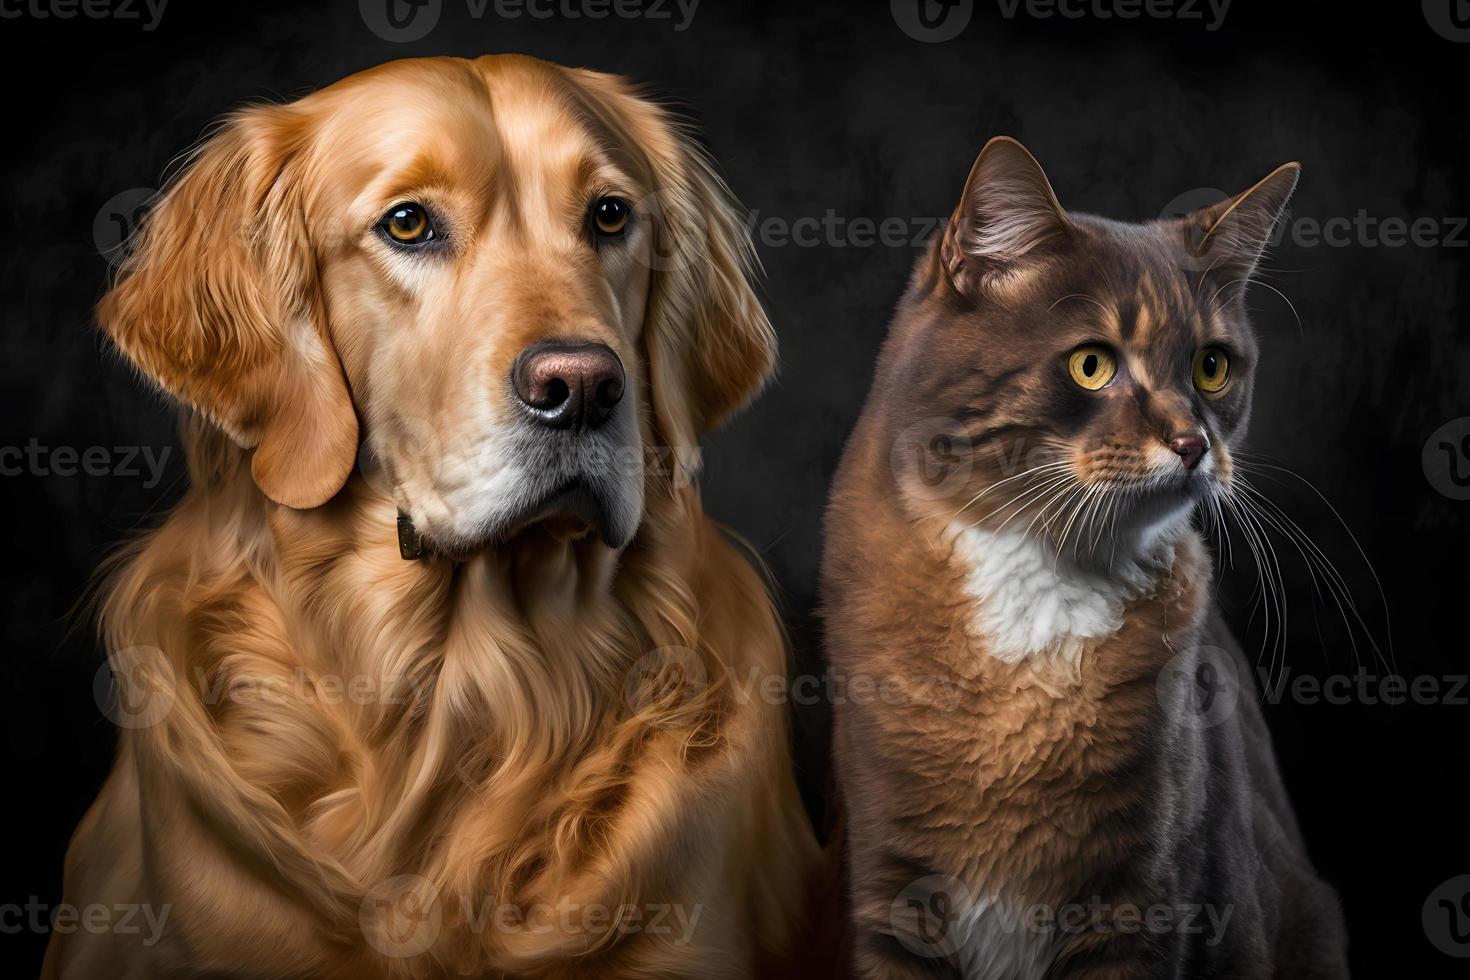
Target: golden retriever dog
476,314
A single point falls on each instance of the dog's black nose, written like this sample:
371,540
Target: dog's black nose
568,386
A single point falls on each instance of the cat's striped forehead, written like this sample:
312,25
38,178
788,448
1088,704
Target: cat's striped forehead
1150,309
1142,295
1139,301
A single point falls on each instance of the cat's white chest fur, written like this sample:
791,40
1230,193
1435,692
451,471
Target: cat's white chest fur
1029,602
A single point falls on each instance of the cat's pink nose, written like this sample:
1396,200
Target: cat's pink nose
1190,448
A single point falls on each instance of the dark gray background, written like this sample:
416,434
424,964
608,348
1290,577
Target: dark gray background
816,108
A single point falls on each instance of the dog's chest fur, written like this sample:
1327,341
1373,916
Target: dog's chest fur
501,755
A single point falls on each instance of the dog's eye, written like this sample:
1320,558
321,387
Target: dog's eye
407,224
610,215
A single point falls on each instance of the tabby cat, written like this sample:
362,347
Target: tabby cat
1065,771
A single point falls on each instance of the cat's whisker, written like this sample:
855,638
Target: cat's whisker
1061,501
1059,495
1260,597
1032,472
1221,530
1113,535
1301,330
1274,583
1205,521
1260,604
1270,576
1317,562
1050,467
1087,495
1214,529
1108,499
1215,310
1046,481
1030,491
1081,296
1106,276
1077,510
1106,494
1212,525
1266,466
1037,494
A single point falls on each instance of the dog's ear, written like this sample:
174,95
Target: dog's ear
218,303
710,346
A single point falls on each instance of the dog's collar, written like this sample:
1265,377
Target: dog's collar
410,541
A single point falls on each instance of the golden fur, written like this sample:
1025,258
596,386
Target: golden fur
510,752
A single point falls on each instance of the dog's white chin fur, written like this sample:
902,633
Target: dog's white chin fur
481,494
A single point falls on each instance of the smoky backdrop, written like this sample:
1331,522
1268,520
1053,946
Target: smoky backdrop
848,129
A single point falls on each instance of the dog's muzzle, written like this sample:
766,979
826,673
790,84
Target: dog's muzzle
576,453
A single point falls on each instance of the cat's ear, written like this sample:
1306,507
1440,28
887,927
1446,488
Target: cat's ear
1007,216
1226,240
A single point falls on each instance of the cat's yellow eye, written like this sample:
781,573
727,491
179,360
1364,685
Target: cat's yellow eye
1092,366
1211,370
